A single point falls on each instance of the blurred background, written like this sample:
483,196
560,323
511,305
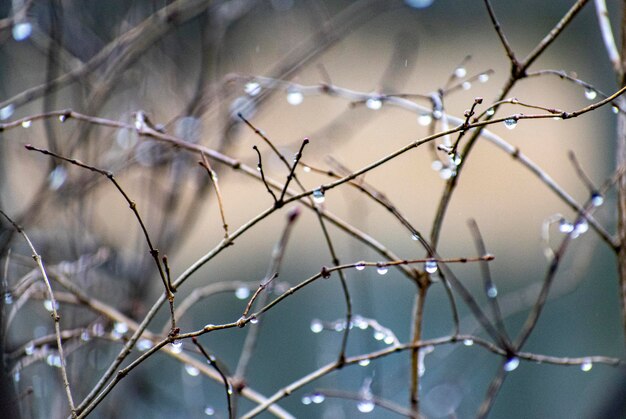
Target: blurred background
192,74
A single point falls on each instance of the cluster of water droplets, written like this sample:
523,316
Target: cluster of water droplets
314,398
380,333
573,229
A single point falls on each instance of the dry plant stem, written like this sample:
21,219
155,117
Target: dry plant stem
326,369
604,23
55,315
492,392
153,251
518,71
279,203
416,336
272,272
260,167
621,183
213,177
227,385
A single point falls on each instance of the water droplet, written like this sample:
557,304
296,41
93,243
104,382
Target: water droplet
614,108
365,406
468,342
57,178
306,169
379,335
382,269
8,298
318,196
364,362
389,340
295,97
339,327
437,114
430,266
492,292
455,158
483,78
306,400
16,376
29,349
360,266
252,88
424,119
53,360
490,111
581,228
85,336
466,85
317,398
446,173
316,326
177,346
191,370
144,344
242,293
418,4
254,320
48,305
510,123
586,366
27,123
22,31
6,112
97,329
209,411
511,364
565,226
374,104
460,72
436,165
415,237
597,199
590,94
62,118
120,327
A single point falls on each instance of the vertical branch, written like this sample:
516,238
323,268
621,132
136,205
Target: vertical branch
213,177
418,319
55,315
621,183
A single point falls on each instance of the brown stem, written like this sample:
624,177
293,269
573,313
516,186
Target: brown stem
621,183
418,317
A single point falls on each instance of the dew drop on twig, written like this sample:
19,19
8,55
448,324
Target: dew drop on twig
382,269
319,196
365,406
510,123
374,104
424,119
590,94
586,366
430,266
316,326
295,97
511,364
